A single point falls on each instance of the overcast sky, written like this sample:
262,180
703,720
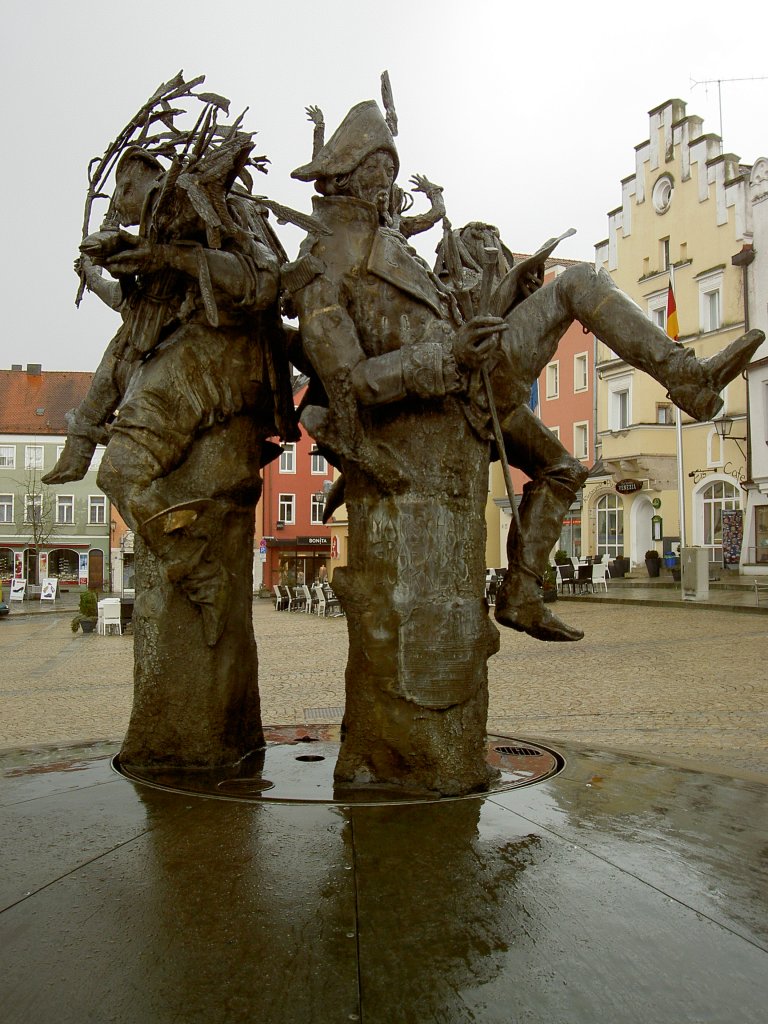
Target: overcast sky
527,114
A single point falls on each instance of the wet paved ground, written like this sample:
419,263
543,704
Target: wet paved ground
619,891
680,681
623,890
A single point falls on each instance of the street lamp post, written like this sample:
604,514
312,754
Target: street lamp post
724,428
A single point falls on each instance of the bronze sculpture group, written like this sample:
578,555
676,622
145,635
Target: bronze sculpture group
409,367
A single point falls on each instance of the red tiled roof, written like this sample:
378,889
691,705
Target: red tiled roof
552,261
22,394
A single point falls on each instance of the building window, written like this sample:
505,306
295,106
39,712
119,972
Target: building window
711,301
716,498
8,456
286,508
715,446
96,458
657,310
610,525
711,311
318,464
553,380
580,371
6,508
619,403
97,510
555,431
761,533
317,508
581,440
288,458
33,508
65,509
664,413
64,564
662,197
6,563
663,254
33,456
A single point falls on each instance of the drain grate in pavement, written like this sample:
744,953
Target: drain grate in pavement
518,751
313,715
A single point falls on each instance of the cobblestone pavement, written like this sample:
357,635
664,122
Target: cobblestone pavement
686,684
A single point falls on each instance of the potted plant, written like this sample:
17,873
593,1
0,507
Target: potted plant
652,562
87,617
561,557
549,586
620,566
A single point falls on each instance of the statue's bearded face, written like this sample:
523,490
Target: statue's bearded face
479,236
372,179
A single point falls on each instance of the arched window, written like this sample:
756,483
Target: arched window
610,525
716,498
64,563
6,564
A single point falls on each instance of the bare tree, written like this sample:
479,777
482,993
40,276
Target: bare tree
39,520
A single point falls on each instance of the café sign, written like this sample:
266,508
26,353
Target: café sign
629,486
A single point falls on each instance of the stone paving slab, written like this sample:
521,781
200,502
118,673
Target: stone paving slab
683,683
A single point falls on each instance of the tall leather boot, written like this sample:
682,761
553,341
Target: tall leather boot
692,384
82,438
519,601
132,477
86,424
182,547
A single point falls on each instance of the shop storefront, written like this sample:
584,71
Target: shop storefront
75,566
296,560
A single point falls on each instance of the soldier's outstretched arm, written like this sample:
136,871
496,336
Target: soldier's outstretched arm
430,369
424,221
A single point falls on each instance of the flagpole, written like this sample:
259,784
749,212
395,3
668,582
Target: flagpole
679,435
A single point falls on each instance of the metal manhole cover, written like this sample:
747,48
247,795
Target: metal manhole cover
245,787
279,771
333,715
518,751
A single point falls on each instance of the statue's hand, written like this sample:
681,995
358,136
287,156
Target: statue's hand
422,184
315,115
101,245
516,286
477,341
139,257
85,266
531,280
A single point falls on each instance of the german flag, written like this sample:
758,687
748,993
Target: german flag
673,329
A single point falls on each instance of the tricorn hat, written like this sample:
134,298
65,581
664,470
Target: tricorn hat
362,132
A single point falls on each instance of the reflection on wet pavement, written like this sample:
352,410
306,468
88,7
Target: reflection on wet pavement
619,890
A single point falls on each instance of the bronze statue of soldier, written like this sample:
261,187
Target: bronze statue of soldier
537,317
392,360
187,395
